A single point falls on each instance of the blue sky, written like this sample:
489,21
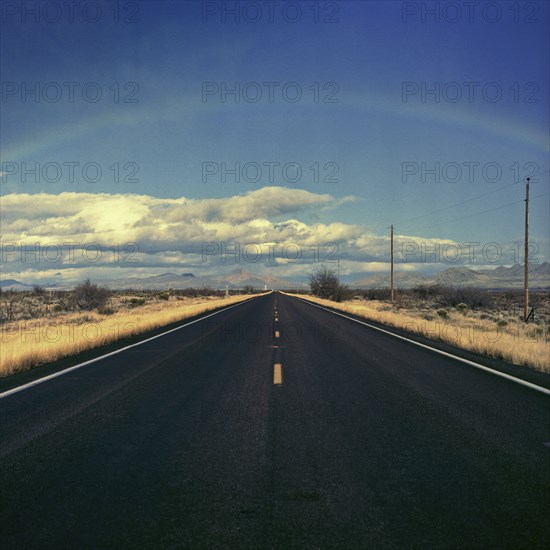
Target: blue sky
374,60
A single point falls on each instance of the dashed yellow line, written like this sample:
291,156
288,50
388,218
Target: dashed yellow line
277,334
277,374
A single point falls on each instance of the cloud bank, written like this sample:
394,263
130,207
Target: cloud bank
70,236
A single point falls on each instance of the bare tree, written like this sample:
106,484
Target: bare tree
38,290
324,283
426,290
8,310
88,295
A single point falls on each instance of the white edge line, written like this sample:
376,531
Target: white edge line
456,357
96,359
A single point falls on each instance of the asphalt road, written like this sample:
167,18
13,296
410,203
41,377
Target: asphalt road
192,440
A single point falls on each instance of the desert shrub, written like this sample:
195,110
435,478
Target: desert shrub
210,292
187,292
534,332
136,302
443,313
376,294
88,296
9,306
342,294
65,301
205,292
425,290
462,307
107,310
470,296
502,323
38,290
82,319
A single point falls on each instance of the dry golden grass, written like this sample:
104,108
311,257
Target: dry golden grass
517,343
26,344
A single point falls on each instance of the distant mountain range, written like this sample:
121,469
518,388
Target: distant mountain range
13,284
236,279
501,277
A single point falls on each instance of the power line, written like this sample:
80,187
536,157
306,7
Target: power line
478,213
460,203
469,200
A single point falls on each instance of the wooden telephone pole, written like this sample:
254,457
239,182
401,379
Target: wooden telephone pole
526,272
391,269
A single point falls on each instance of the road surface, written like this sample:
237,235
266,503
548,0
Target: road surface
240,431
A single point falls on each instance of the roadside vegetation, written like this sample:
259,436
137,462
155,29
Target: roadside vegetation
487,322
41,326
324,283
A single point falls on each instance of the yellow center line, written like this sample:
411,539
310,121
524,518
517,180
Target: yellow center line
277,335
277,374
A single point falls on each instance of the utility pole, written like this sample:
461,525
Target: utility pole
526,272
391,269
338,270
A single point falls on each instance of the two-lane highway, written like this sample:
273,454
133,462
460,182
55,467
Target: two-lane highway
275,424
